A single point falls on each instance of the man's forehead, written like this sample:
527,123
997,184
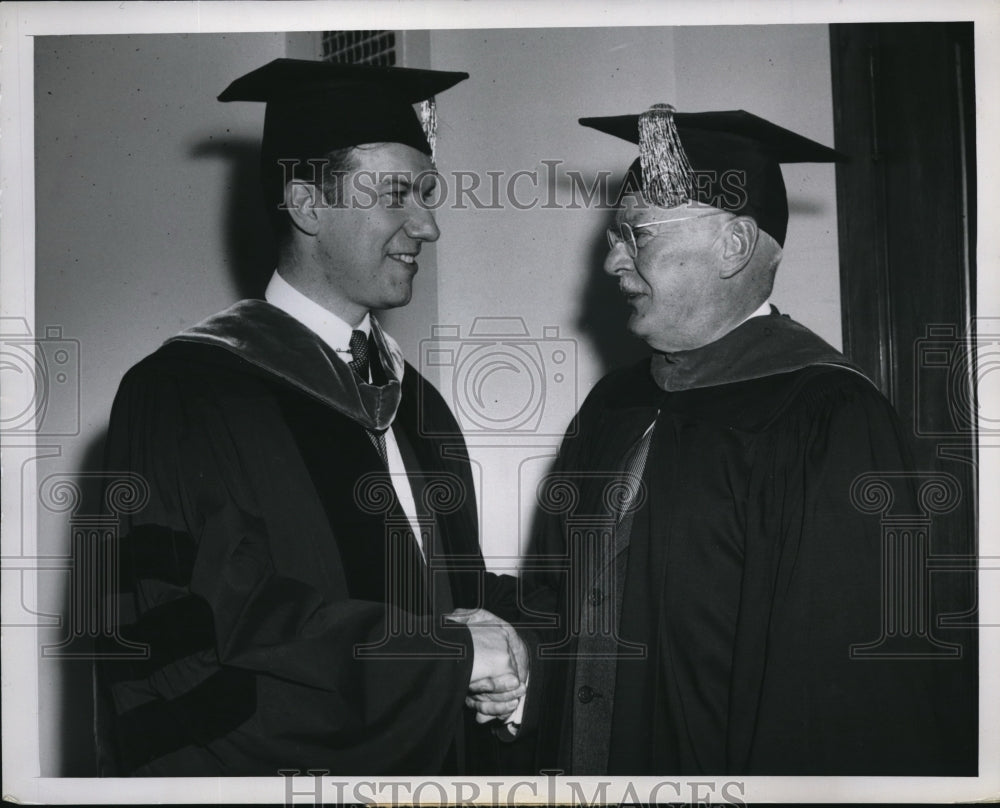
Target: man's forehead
634,208
394,157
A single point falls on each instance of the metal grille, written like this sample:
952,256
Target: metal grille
360,47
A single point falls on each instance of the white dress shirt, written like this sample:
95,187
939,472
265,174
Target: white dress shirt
337,335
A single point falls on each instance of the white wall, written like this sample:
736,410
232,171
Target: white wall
544,265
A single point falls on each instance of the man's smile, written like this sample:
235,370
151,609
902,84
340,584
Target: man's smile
410,259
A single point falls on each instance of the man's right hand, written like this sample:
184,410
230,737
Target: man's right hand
500,664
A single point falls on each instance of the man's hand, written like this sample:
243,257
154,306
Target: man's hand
500,667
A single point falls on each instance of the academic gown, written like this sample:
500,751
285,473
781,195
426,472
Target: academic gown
748,574
287,624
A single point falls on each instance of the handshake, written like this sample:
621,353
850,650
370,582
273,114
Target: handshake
500,665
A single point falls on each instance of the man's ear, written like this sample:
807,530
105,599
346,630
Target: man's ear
739,240
302,203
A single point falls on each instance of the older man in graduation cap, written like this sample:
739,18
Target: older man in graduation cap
711,570
284,586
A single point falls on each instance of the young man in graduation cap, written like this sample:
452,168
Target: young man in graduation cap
711,631
291,568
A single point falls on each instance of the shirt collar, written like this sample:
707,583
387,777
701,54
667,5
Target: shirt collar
763,311
324,323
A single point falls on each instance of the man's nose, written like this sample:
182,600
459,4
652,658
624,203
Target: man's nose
618,260
422,225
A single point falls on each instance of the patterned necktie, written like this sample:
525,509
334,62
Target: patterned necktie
360,365
359,354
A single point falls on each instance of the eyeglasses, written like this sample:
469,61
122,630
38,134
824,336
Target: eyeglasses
624,233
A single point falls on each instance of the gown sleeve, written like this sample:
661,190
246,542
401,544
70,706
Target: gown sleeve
814,565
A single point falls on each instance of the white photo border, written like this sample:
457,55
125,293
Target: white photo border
23,21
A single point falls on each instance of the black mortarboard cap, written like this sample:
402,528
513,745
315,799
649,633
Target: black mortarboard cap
316,107
729,160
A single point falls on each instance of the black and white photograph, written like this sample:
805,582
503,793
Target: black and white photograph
493,403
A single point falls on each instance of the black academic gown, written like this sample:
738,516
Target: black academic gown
289,626
748,576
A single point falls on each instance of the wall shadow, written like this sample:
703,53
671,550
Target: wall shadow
601,318
800,208
250,247
77,753
603,313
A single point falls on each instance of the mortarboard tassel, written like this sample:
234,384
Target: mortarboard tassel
666,172
428,120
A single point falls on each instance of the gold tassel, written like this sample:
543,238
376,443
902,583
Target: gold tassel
666,172
428,120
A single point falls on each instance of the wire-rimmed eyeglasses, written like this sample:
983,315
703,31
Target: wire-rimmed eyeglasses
624,233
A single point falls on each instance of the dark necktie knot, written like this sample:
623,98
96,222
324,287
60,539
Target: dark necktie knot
359,354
